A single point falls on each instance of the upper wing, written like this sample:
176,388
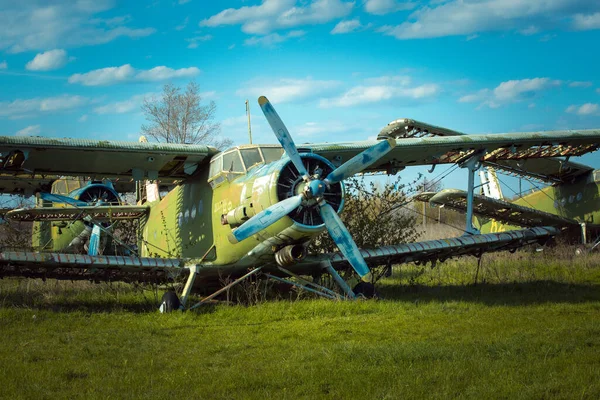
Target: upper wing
456,149
546,169
32,162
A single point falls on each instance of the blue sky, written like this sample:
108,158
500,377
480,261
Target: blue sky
335,70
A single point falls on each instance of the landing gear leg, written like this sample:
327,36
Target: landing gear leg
339,280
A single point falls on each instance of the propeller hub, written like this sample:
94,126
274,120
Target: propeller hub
315,188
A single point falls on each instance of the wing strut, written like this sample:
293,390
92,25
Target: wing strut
472,164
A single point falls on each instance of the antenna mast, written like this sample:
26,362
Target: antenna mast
249,127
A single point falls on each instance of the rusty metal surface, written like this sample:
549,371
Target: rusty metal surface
546,169
97,213
456,149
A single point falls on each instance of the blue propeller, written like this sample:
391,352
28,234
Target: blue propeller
57,198
283,135
314,189
94,241
265,218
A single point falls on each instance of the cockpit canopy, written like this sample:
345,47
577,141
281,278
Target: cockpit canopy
240,159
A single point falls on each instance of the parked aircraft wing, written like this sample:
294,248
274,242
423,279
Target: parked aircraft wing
553,170
504,211
434,250
546,169
40,160
85,267
96,213
456,149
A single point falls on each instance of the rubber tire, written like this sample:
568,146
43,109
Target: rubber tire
169,302
365,289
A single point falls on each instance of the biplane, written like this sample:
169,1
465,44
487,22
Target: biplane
570,201
248,210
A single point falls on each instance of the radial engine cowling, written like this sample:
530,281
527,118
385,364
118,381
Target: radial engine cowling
290,183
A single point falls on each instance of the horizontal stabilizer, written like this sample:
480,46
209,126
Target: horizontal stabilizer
96,213
499,210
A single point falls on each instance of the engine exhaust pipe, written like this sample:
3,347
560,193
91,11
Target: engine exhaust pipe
290,255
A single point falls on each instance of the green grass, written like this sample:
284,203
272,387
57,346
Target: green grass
529,329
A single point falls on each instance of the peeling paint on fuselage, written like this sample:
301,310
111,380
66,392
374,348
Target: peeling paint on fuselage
178,234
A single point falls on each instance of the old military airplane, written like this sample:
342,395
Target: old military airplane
249,209
569,202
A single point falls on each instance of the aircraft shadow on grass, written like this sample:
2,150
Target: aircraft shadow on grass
493,294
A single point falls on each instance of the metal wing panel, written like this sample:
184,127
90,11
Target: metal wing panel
441,250
455,149
513,214
84,267
37,156
96,213
545,169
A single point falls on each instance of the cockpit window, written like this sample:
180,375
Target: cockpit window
215,166
251,157
271,153
232,162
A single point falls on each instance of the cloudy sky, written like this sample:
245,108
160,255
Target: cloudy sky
334,69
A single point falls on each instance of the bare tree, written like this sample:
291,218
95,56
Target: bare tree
180,117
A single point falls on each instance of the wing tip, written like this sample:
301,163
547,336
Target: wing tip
262,100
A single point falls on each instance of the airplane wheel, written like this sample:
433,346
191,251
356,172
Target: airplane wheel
365,289
169,302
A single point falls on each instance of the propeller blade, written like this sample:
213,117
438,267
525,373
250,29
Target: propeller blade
57,198
344,242
94,242
282,134
361,161
265,218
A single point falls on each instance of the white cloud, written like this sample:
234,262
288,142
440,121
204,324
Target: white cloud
319,128
286,90
83,118
47,61
381,89
510,91
348,26
195,41
584,109
3,65
458,17
582,84
381,7
126,73
29,131
121,107
27,107
598,90
516,89
273,15
586,22
183,25
272,39
36,25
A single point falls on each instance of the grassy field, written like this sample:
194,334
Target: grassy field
530,328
